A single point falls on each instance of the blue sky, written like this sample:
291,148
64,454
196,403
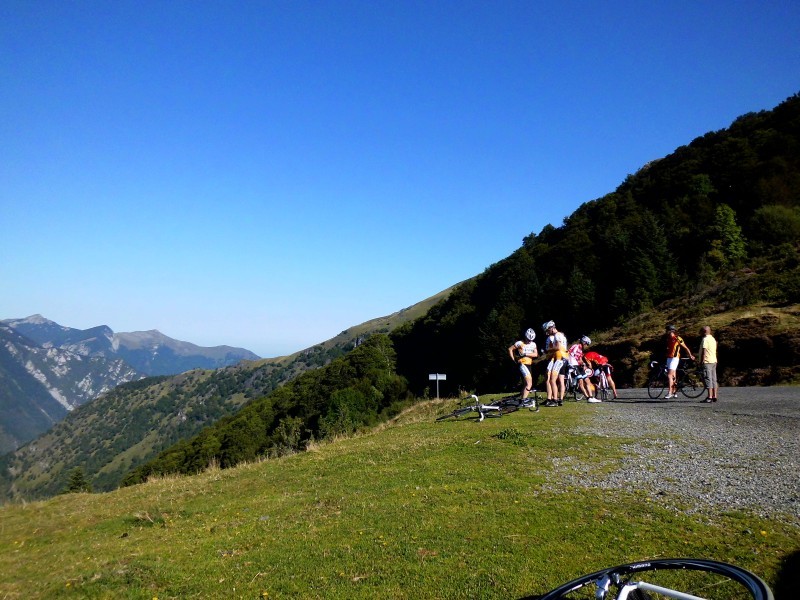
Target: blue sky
266,174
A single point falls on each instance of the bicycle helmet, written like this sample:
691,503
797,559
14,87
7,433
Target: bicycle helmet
547,325
672,328
530,335
586,340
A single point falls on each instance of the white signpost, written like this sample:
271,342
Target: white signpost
437,377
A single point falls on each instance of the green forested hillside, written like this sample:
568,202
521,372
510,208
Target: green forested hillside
352,391
714,226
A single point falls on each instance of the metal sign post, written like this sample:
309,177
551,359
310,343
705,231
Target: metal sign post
437,377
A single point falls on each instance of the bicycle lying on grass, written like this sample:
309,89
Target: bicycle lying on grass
687,380
497,408
679,578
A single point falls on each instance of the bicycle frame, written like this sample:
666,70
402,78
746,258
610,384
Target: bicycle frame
656,589
602,384
483,409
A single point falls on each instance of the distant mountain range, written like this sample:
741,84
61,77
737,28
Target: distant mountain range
47,369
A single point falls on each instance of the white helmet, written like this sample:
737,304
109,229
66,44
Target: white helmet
530,334
547,325
586,340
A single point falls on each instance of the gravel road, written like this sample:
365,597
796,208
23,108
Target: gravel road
742,452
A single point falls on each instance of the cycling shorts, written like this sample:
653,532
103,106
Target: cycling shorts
524,370
672,363
556,364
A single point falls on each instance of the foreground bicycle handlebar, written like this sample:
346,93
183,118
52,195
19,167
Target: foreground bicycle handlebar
679,578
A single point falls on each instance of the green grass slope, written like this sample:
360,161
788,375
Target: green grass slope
416,509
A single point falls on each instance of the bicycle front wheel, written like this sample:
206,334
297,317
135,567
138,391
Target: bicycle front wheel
656,387
455,414
661,579
692,385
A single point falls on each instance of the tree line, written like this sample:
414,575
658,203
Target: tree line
356,390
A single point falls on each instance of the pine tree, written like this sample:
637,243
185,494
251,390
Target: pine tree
727,237
77,482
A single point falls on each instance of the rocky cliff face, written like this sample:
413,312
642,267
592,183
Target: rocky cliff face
42,383
47,370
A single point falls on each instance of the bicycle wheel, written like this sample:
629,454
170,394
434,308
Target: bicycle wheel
577,394
691,384
661,579
456,413
508,407
573,389
656,387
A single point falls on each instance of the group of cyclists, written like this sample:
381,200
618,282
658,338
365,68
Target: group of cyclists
589,367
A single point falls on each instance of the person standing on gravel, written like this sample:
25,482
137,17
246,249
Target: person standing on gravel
708,362
674,345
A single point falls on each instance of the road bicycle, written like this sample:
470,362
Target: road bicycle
602,390
572,388
496,408
678,578
687,380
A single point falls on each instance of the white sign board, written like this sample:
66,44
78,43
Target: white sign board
437,377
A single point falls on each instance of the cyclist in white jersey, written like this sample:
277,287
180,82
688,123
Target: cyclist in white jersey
556,348
523,353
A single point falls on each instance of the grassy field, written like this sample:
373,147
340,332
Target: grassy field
416,509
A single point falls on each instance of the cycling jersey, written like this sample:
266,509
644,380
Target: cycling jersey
525,352
596,358
575,354
555,345
674,343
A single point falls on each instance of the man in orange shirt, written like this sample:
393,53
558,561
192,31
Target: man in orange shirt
674,345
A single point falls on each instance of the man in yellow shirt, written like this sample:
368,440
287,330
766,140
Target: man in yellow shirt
708,361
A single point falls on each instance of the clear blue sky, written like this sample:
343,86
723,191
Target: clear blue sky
266,174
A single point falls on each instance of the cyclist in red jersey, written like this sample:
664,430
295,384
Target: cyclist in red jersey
600,363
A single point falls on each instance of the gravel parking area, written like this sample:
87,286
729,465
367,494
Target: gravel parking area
742,452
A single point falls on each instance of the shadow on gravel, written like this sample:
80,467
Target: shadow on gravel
788,581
